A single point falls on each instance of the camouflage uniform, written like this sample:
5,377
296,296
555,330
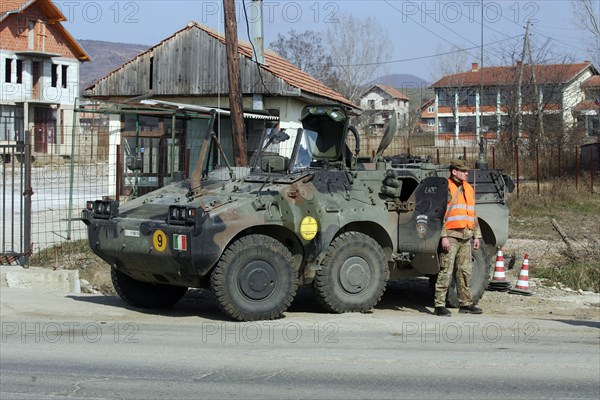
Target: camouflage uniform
459,255
457,258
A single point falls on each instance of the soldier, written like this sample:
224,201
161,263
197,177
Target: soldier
460,225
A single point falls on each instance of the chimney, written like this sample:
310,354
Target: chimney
474,67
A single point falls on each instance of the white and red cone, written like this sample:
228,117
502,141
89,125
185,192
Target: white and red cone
522,286
499,282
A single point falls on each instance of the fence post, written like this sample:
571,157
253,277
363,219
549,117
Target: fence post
517,166
576,167
118,175
493,157
559,160
592,169
537,166
465,153
437,153
27,193
72,167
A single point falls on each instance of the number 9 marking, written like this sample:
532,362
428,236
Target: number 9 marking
159,240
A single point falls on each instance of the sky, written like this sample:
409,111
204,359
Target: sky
419,30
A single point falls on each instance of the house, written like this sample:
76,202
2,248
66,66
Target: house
39,72
188,71
587,111
427,114
463,112
379,102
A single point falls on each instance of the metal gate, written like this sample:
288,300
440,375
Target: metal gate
15,197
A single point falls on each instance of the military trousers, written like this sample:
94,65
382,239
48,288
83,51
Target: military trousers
456,262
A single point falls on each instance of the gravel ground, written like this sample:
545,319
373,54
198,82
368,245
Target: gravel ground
416,295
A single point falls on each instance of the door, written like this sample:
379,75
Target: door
45,129
419,233
36,73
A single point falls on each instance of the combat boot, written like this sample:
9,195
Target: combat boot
442,312
470,310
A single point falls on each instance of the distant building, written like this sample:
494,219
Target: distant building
587,111
379,102
427,113
39,72
462,112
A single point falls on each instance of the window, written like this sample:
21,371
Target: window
19,71
54,74
446,98
371,104
552,94
8,70
384,102
11,123
431,122
489,97
63,76
431,109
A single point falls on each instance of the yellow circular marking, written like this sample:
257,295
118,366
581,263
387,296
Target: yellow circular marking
309,228
159,240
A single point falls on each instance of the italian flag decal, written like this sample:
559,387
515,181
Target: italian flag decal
180,242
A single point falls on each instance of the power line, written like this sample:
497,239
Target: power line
431,56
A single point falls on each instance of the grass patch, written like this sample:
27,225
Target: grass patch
573,274
62,252
531,213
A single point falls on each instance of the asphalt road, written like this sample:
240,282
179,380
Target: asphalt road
84,346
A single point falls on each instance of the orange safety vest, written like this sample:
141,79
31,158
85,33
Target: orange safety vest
462,213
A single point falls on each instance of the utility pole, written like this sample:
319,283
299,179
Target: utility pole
537,93
520,84
235,87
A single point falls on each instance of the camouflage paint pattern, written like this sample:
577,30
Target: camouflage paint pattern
455,263
400,206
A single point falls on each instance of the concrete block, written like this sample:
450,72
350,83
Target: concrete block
60,281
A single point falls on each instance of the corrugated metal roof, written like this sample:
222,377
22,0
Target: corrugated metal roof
192,107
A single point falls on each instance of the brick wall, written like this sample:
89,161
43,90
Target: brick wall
15,33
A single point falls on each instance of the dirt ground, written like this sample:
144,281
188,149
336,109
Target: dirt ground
416,295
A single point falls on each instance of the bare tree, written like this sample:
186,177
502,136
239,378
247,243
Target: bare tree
541,86
448,62
586,15
449,65
359,48
307,52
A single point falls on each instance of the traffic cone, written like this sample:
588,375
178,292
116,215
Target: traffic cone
522,286
499,282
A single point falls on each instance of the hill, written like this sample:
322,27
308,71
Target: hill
106,57
412,86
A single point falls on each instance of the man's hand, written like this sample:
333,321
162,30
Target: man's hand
476,244
445,244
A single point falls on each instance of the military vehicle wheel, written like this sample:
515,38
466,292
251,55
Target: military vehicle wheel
480,276
255,279
145,294
353,274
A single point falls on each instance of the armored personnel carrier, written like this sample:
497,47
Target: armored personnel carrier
321,216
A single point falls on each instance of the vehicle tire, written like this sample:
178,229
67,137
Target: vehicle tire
145,294
353,274
480,276
255,279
